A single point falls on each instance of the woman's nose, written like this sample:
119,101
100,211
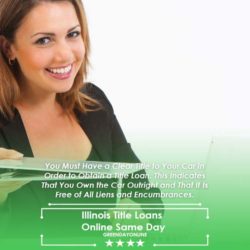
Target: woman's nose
63,52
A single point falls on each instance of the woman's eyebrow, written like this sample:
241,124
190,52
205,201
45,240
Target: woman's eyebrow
53,34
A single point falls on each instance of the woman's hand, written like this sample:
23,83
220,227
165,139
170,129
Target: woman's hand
10,154
7,187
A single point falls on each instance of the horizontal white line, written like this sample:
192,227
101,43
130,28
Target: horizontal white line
105,204
119,208
68,245
180,245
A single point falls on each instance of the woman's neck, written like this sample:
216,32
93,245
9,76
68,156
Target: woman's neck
37,100
45,106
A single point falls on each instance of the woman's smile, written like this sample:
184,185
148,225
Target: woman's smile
60,73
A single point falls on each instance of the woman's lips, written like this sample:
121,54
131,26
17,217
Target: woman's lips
60,73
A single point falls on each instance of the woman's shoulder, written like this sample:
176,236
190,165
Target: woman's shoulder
95,92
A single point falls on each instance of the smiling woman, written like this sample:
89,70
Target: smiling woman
56,53
46,109
30,44
46,60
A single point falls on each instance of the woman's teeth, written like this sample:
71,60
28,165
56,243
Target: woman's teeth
61,70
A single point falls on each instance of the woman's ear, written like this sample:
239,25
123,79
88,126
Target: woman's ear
5,47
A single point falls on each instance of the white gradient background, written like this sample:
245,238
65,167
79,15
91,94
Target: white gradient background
174,69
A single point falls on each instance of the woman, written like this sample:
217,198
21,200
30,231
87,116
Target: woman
45,109
43,67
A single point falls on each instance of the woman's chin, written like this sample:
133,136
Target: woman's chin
63,90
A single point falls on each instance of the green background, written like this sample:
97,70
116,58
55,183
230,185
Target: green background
227,162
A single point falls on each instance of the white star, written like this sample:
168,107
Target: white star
109,243
120,243
130,243
140,243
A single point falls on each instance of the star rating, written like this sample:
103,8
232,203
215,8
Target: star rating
130,243
140,243
109,243
121,243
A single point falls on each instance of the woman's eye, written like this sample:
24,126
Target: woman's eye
43,41
74,34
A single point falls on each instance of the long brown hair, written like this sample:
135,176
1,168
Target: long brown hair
12,13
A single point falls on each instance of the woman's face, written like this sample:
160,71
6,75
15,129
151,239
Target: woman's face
49,48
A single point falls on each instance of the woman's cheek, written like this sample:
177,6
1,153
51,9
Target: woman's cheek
79,51
35,59
42,58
